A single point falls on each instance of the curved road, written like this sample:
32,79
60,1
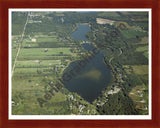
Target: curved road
120,50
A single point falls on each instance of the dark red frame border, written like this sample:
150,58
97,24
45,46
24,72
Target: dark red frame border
6,4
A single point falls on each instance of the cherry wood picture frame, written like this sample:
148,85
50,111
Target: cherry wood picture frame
106,4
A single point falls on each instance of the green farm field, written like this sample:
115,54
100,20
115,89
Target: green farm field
142,49
146,54
144,40
37,63
131,33
140,69
41,52
47,39
34,68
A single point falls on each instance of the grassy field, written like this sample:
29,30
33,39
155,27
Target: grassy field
142,49
31,70
34,68
41,52
26,103
47,39
144,40
29,44
37,63
132,33
137,69
27,86
140,69
146,54
40,40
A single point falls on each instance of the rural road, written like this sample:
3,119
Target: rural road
19,47
120,50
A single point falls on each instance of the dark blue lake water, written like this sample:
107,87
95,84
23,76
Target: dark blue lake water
80,33
94,76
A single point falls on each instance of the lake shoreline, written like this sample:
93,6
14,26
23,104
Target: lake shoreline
83,85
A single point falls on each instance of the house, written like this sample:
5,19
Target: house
145,107
142,101
62,66
140,94
71,97
45,50
13,103
33,40
81,107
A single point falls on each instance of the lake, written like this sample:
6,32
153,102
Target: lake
94,76
80,33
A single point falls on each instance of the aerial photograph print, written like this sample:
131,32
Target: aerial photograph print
79,62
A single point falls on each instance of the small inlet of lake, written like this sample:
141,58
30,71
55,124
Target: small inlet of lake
95,75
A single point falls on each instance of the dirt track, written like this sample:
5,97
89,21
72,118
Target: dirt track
19,47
